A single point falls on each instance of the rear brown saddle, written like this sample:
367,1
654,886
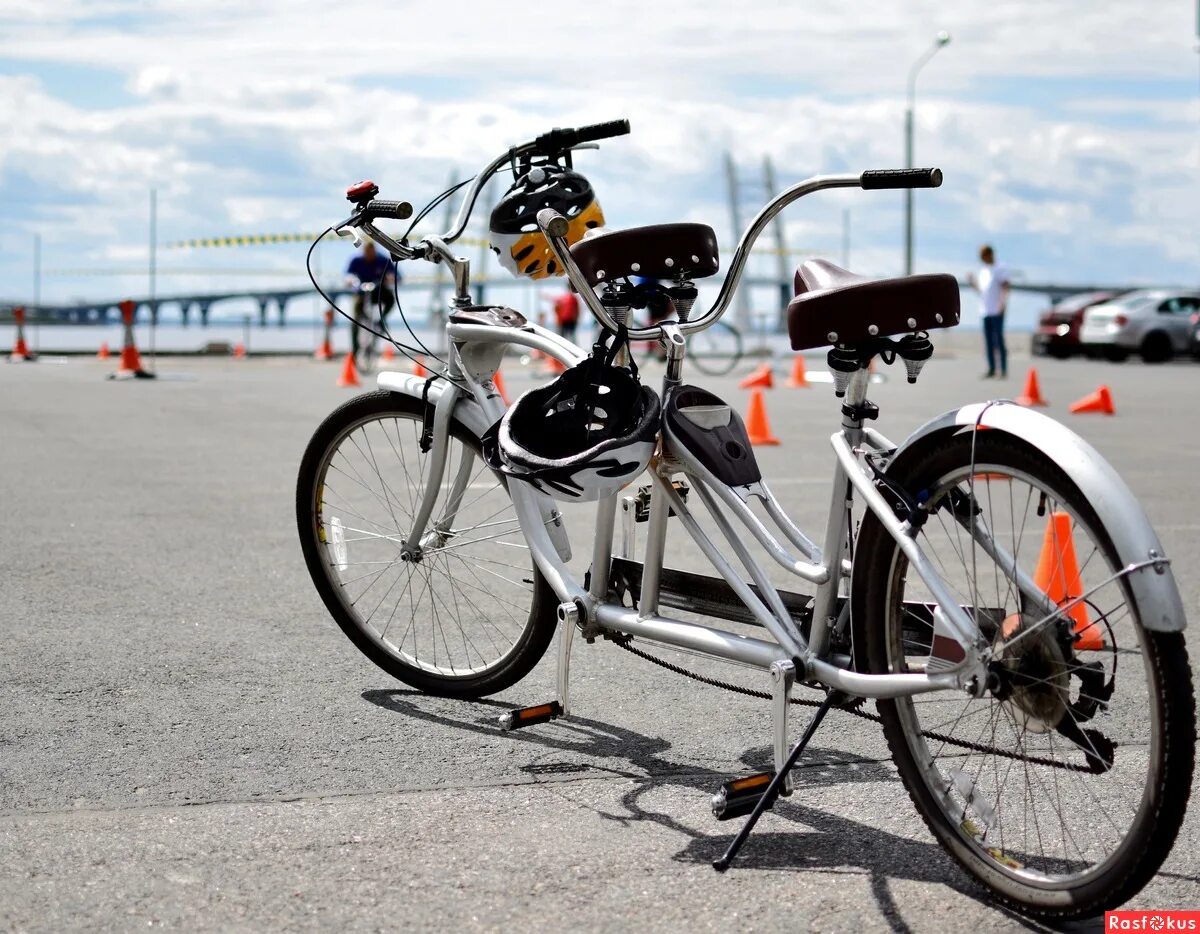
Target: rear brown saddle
832,305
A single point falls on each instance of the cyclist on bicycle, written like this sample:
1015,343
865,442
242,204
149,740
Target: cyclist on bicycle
375,277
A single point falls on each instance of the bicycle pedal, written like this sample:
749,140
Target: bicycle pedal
738,796
529,716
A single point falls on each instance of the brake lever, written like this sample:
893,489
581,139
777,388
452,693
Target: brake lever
348,232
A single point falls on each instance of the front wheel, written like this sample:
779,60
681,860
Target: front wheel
1063,787
471,614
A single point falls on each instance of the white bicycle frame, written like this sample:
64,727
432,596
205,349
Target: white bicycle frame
469,395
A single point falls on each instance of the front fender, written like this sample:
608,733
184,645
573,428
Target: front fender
467,410
471,415
1159,604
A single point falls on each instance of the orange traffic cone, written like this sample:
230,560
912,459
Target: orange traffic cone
349,376
325,350
1058,574
499,381
419,367
760,377
103,353
20,350
757,427
799,377
1098,401
556,366
239,351
1032,394
130,366
388,355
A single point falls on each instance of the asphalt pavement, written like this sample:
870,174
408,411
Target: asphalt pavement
188,741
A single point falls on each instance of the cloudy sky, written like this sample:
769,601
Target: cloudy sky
1069,132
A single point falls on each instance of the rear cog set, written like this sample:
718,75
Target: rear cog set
1032,675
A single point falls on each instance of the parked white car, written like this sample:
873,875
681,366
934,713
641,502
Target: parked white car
1155,323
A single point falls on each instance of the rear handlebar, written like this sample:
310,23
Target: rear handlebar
553,225
901,178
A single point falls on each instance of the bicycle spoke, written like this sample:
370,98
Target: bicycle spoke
1026,761
466,610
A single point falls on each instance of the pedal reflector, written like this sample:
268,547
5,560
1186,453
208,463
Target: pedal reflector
739,795
528,716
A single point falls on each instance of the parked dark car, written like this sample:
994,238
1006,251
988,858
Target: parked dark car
1196,335
1057,331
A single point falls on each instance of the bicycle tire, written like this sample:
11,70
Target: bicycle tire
527,647
1167,785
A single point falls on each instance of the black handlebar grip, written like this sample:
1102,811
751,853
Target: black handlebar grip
901,178
587,134
561,139
400,210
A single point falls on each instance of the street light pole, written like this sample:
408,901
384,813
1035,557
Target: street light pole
942,39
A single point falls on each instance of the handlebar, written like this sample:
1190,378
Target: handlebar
875,179
400,210
554,226
552,223
560,140
555,143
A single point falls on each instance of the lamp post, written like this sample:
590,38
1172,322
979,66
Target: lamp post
942,39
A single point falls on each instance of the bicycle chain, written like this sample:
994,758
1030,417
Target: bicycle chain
853,709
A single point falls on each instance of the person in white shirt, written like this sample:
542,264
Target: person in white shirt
991,282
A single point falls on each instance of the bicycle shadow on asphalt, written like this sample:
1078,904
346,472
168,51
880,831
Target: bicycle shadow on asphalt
827,843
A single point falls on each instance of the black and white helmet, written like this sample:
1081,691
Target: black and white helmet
580,438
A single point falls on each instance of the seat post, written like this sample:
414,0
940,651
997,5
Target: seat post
856,403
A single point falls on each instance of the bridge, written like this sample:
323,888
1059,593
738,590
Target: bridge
200,303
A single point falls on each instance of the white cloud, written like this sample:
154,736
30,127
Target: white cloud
255,116
156,81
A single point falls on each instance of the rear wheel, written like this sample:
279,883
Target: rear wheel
472,614
1062,788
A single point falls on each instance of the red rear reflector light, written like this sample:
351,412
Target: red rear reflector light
1120,321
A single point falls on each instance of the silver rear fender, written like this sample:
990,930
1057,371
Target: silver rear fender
1122,516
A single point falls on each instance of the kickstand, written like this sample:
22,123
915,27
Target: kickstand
772,792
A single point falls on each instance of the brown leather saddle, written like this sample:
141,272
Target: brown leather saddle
658,251
835,306
832,305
